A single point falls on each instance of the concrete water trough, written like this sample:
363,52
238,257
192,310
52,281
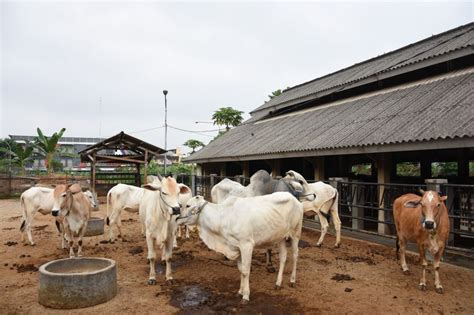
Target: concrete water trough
77,282
95,226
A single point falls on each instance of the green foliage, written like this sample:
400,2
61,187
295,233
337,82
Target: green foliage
48,146
180,168
56,166
471,168
441,169
408,169
14,154
227,116
362,169
277,93
193,144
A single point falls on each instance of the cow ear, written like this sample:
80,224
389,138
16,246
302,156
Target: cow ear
422,191
151,187
413,203
296,186
183,189
443,198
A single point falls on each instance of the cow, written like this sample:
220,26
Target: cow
73,207
261,183
325,205
240,224
124,197
185,194
40,199
423,220
121,197
158,206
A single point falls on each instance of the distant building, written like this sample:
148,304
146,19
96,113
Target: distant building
68,155
173,156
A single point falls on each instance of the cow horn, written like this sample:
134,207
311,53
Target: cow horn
422,191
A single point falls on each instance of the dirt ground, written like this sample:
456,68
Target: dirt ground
358,278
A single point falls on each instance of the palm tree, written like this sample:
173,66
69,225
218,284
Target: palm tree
48,146
193,144
277,93
18,155
227,116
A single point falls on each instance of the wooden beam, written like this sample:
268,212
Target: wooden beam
145,171
118,158
93,173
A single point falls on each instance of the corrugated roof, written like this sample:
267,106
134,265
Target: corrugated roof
436,108
437,45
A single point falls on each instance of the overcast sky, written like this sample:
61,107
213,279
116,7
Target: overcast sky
59,59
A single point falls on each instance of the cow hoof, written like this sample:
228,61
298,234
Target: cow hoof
337,246
170,282
292,284
277,287
318,245
151,281
406,272
33,244
439,290
244,301
271,269
422,287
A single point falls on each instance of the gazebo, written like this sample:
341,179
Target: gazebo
121,150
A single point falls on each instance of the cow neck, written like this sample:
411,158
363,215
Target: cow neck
210,219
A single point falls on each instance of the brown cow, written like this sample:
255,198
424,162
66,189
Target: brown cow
72,205
423,220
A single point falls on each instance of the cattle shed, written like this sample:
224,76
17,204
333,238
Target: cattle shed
123,152
402,118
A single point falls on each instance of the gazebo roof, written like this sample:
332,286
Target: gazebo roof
127,149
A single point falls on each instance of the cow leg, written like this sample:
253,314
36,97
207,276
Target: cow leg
81,235
424,264
239,266
246,258
282,252
119,227
166,254
270,267
150,241
437,258
402,243
179,232
324,228
294,246
187,231
71,242
28,222
337,225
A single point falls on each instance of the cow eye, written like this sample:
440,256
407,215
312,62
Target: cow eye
164,193
63,195
438,205
187,206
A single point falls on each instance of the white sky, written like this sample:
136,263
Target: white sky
59,58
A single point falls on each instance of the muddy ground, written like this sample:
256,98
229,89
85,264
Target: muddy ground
358,278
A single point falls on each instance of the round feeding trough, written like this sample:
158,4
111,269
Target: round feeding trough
95,226
77,282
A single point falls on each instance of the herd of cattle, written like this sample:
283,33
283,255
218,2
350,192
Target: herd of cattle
266,212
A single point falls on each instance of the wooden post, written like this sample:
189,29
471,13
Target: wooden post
319,168
384,164
223,170
93,173
145,171
138,177
276,168
245,168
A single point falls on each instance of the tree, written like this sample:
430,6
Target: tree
16,154
277,93
227,116
48,146
193,144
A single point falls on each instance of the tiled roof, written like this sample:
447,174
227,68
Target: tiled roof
436,108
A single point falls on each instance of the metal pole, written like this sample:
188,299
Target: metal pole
165,92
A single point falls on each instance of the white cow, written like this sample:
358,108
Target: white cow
222,190
159,206
325,205
121,197
240,224
40,199
73,207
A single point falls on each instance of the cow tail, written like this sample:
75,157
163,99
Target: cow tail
398,247
24,216
328,215
109,195
58,226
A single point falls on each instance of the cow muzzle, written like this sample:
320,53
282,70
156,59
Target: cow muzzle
429,225
176,210
55,213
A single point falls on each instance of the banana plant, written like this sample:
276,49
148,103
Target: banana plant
48,146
